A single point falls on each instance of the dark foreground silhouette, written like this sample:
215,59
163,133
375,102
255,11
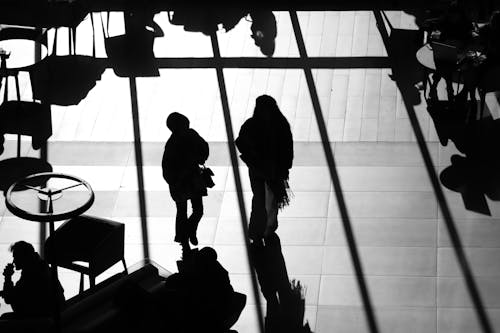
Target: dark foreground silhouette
33,294
199,298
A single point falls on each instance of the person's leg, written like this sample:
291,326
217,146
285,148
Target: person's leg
258,216
181,235
271,211
449,88
433,87
194,219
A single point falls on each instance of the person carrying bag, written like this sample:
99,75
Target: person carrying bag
184,152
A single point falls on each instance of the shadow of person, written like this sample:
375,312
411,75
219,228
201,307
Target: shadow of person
285,301
474,175
406,70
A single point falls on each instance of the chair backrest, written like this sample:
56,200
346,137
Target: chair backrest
97,241
445,52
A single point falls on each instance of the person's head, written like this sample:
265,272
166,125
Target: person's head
266,47
265,41
177,122
23,254
207,255
264,30
266,108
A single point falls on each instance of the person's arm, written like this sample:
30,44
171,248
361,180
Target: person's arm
8,285
289,148
164,166
203,149
245,145
170,165
285,153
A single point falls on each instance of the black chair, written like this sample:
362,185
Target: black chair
489,82
97,242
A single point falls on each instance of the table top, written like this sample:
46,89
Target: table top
60,198
22,52
425,55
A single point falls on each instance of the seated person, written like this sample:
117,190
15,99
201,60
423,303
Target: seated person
453,27
199,298
453,24
489,35
206,299
32,295
478,66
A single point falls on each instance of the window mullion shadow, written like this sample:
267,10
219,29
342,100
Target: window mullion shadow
236,174
405,86
351,241
139,167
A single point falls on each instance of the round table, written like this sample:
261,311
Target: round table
60,204
425,57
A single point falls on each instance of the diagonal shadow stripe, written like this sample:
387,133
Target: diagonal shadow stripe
351,241
405,87
237,177
139,166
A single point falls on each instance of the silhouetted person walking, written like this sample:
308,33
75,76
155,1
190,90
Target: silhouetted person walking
266,146
32,295
185,150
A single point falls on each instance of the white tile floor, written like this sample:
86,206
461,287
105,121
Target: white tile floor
409,264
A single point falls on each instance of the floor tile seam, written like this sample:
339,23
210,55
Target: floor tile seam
325,36
289,245
248,274
387,307
399,307
329,191
393,276
382,167
468,307
26,139
437,240
369,246
211,216
471,247
406,276
249,192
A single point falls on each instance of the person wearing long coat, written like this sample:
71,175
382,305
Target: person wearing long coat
266,146
184,152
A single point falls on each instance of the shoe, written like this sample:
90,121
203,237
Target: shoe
192,233
193,239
